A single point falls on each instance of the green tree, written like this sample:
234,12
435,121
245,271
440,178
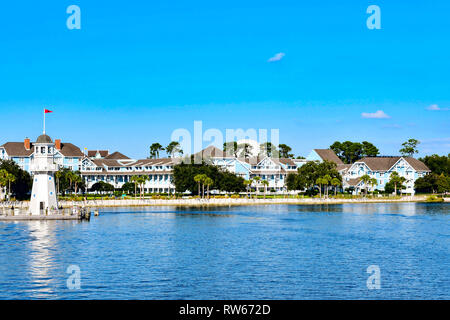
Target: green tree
285,151
229,182
184,173
21,187
77,180
245,150
173,149
312,170
426,184
257,181
135,180
443,184
141,182
409,148
437,164
248,184
369,150
373,183
70,176
335,182
128,187
199,178
58,176
3,180
155,148
267,149
320,181
366,180
397,181
231,148
350,152
291,181
326,181
208,182
265,183
102,186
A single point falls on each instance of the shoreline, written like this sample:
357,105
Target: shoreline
220,202
229,202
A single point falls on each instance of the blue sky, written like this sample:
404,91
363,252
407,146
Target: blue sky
137,70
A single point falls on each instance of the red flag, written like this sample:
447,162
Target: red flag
47,111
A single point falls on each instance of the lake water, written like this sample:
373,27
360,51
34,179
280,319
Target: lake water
251,252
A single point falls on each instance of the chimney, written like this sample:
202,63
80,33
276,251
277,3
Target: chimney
27,144
58,144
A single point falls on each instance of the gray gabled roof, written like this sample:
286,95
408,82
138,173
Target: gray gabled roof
386,163
117,156
17,149
328,155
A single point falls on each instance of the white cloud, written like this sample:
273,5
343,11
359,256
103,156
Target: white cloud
376,115
277,57
434,107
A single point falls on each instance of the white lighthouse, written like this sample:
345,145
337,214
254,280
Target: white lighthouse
43,168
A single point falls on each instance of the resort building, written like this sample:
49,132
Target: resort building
117,169
66,154
381,169
117,172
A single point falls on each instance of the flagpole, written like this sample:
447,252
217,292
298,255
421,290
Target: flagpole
44,121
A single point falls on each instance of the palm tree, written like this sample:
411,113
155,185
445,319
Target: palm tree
397,180
257,180
10,178
265,183
326,181
320,182
135,180
336,183
70,175
366,179
155,148
76,180
58,175
3,181
141,181
174,148
209,182
248,184
373,183
200,179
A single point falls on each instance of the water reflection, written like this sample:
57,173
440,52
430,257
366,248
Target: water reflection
41,258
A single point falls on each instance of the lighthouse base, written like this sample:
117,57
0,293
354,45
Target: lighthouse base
43,195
